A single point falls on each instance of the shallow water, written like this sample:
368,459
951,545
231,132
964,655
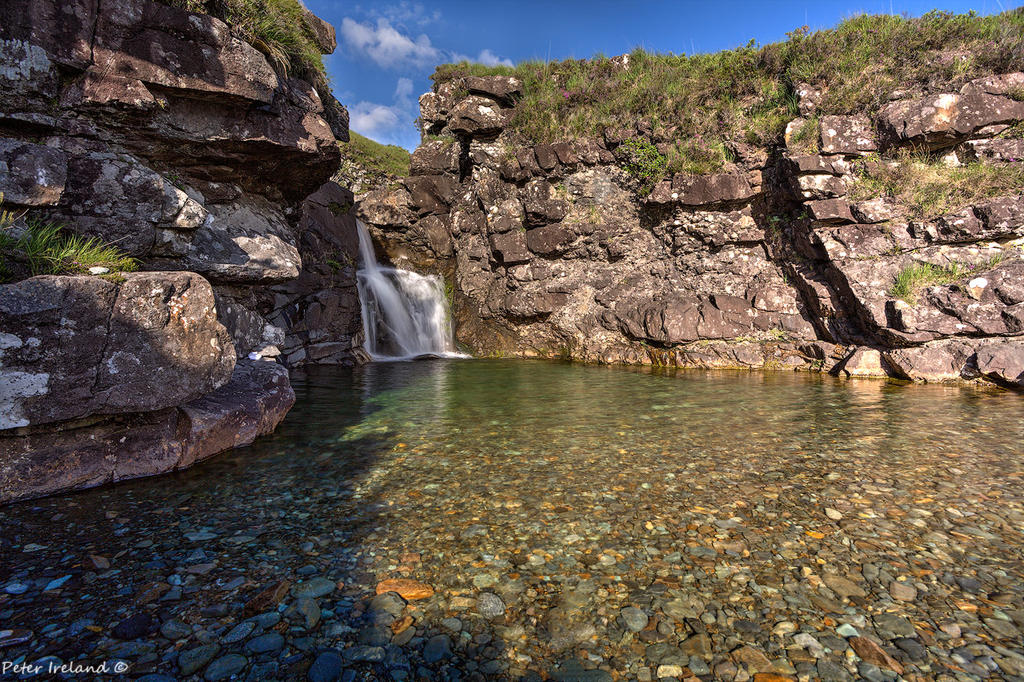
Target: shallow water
570,493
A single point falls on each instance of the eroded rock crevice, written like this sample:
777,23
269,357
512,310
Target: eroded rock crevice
781,259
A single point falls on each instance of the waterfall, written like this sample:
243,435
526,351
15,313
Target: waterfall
405,314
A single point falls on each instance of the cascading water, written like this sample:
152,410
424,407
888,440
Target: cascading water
405,314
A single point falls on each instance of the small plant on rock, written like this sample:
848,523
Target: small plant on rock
916,276
643,162
40,248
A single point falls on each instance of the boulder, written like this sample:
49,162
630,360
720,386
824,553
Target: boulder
246,241
119,200
504,89
38,461
250,405
435,157
852,135
478,117
933,362
539,207
831,211
550,240
510,247
706,190
386,208
31,174
430,194
78,346
1003,363
943,120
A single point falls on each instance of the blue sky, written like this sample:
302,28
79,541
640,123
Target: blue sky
388,49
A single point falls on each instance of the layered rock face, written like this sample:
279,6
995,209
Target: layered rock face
160,132
768,263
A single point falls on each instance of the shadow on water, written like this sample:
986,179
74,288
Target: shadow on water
566,493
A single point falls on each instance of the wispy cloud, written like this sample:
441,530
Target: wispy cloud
385,122
386,45
486,57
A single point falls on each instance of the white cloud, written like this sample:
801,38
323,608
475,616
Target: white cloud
410,13
372,119
386,45
367,118
486,57
490,59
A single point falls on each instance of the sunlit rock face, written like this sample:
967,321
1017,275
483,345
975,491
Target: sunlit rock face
777,260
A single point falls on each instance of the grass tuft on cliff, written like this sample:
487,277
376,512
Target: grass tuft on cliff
385,159
930,188
749,94
913,278
30,247
277,28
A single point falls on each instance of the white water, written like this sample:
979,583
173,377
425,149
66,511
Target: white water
405,314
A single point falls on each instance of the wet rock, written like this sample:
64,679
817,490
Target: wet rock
902,591
874,654
437,649
133,627
490,605
262,644
194,660
314,588
225,667
634,618
326,667
410,590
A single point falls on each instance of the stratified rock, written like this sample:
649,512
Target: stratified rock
77,346
31,174
37,461
944,119
477,117
434,158
510,248
1003,362
938,361
504,89
247,241
250,405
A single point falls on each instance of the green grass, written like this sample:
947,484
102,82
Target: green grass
929,188
41,248
276,28
913,278
386,159
748,94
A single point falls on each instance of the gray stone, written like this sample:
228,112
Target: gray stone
437,648
194,660
326,667
490,605
225,667
634,618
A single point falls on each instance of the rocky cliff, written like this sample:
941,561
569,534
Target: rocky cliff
885,240
164,133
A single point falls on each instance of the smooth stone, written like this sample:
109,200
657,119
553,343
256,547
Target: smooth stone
437,648
453,624
262,644
902,591
314,587
239,632
175,629
634,618
847,630
361,652
490,605
225,667
194,660
326,667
